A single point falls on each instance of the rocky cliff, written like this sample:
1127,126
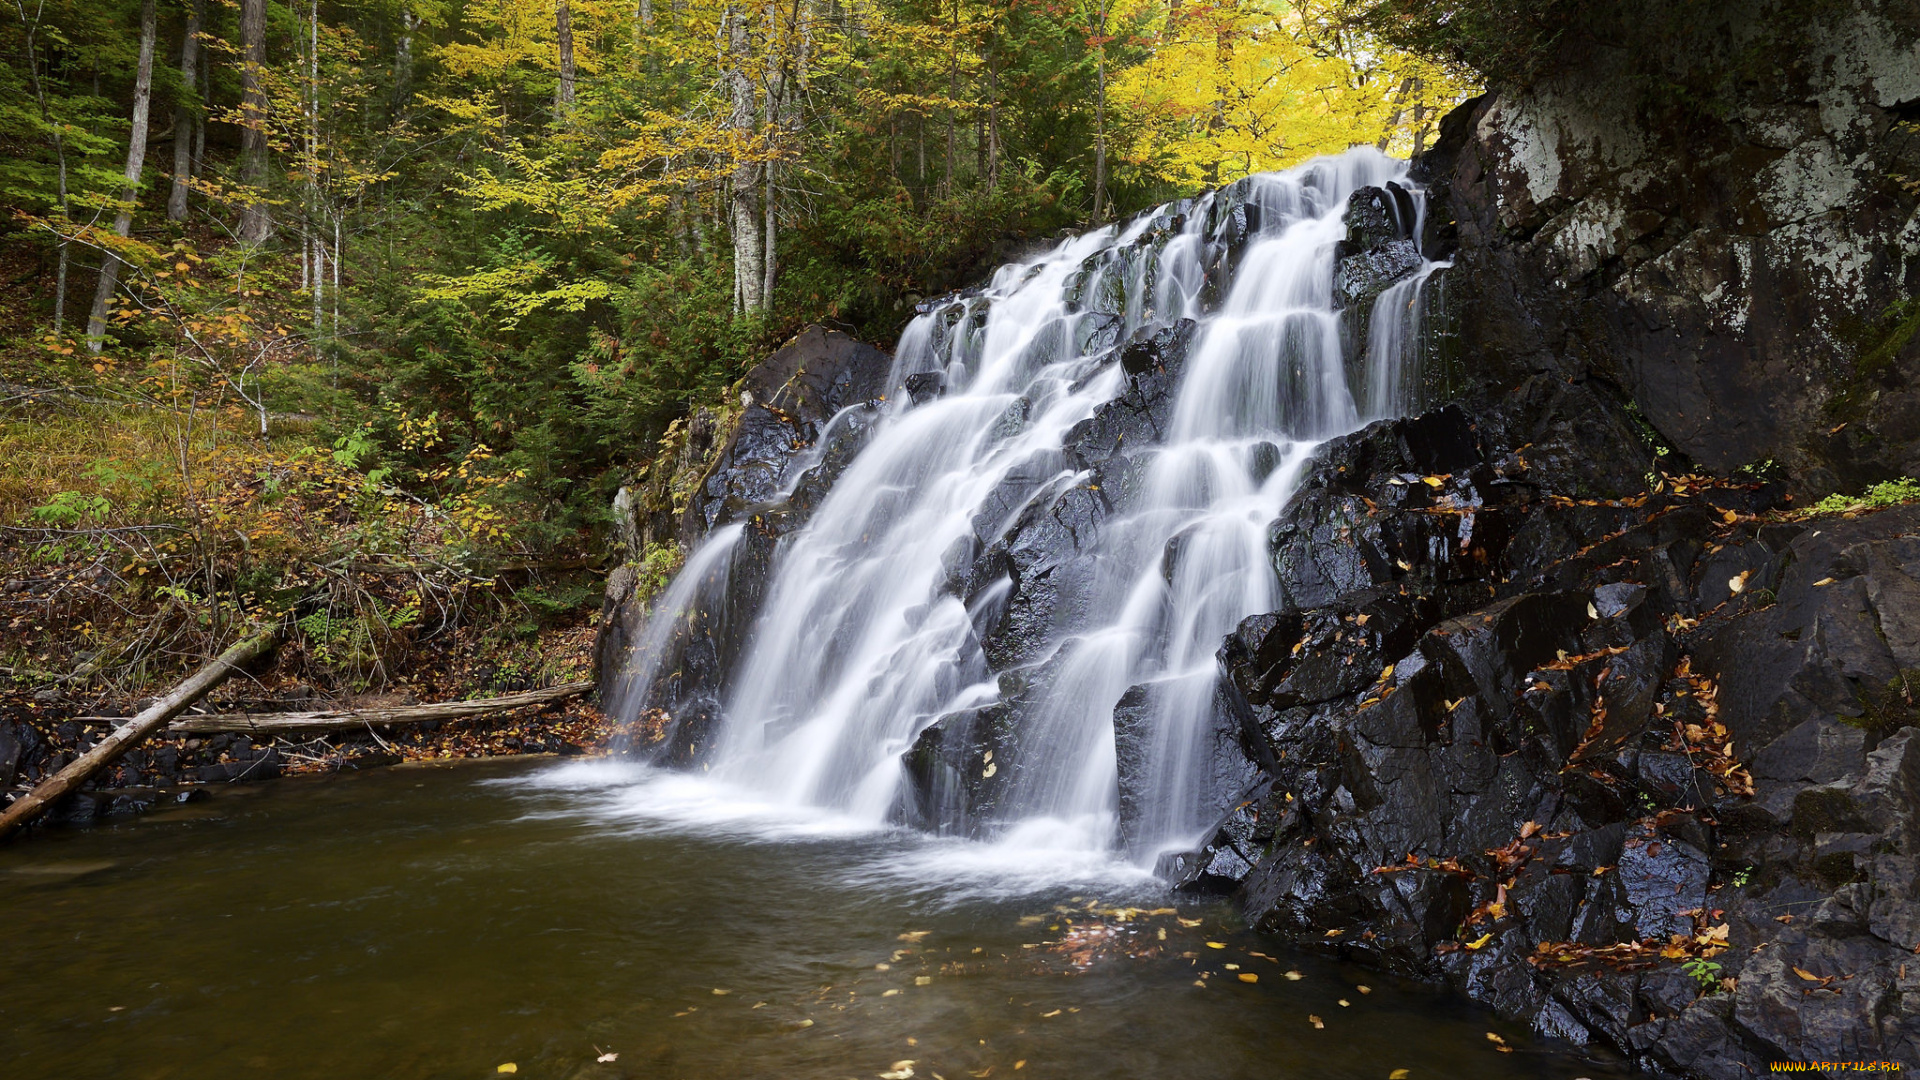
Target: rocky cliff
1567,705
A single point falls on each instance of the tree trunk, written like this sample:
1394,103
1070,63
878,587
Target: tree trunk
256,224
403,60
136,730
136,164
1100,120
563,31
1399,110
749,271
64,245
186,113
354,718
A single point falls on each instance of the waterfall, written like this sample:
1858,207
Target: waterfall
894,607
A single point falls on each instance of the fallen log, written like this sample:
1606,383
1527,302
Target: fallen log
353,718
132,733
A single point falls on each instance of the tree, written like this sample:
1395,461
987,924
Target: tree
186,118
256,223
136,164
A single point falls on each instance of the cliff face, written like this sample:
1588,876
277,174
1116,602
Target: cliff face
1714,214
1626,755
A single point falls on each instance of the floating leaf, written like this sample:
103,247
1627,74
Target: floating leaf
1399,1074
717,992
606,1057
1294,976
923,980
1345,1004
509,1067
1249,977
914,936
1317,1023
900,1070
1050,1015
1190,922
1215,945
1364,989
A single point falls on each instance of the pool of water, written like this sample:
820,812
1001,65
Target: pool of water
450,921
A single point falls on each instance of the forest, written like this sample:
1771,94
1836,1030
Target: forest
298,288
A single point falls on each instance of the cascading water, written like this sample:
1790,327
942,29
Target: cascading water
875,624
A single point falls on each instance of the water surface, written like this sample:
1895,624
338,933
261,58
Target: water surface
444,921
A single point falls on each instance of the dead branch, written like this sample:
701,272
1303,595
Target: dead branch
135,731
353,718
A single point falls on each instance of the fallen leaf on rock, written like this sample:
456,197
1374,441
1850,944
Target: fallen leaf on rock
1481,942
1823,581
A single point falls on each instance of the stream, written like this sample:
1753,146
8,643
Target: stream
447,920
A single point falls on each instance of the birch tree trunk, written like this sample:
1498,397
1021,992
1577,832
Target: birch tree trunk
186,114
563,32
749,269
403,60
136,164
256,224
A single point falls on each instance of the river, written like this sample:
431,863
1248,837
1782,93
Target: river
446,921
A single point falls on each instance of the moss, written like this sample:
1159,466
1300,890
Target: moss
1889,493
1886,710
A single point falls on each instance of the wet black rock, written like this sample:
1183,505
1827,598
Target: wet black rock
798,425
1522,731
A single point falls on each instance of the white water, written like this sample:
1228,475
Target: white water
857,648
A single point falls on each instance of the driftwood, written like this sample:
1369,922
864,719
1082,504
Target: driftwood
353,718
133,732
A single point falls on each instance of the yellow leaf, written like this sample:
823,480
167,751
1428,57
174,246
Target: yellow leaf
1345,1004
1249,977
1823,581
1434,481
1495,1039
509,1067
1481,943
1807,975
1317,1023
1215,945
1364,989
1399,1074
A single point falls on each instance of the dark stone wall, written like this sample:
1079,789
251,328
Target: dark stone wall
1713,214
